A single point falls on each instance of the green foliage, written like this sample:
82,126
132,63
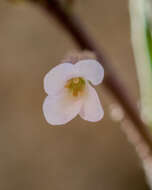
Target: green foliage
140,14
149,40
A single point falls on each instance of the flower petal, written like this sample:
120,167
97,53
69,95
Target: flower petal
55,79
59,110
91,70
91,109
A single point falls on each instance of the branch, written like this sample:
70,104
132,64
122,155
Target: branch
83,39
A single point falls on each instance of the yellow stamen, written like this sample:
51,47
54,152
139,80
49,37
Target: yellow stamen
76,80
75,85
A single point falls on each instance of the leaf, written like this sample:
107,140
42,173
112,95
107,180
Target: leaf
142,49
149,40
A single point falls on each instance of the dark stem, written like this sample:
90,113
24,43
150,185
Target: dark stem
83,39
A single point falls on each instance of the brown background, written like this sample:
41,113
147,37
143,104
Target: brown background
81,155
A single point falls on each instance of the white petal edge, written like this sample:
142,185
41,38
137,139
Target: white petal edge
55,79
91,70
59,110
91,109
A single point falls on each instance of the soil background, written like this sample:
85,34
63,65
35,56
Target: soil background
80,155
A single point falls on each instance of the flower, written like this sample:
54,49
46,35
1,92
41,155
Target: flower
70,92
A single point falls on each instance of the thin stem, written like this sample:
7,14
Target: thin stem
84,40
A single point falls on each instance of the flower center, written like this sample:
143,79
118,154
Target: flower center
75,85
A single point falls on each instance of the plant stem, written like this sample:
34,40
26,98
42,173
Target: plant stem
83,39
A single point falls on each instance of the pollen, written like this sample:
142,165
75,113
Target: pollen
75,86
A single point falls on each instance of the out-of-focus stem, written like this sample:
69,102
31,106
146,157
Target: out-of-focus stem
84,40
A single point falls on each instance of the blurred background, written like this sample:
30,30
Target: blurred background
80,155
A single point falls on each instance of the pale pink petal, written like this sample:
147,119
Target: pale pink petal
91,109
59,110
91,70
55,79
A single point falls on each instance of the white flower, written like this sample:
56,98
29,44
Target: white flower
70,93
